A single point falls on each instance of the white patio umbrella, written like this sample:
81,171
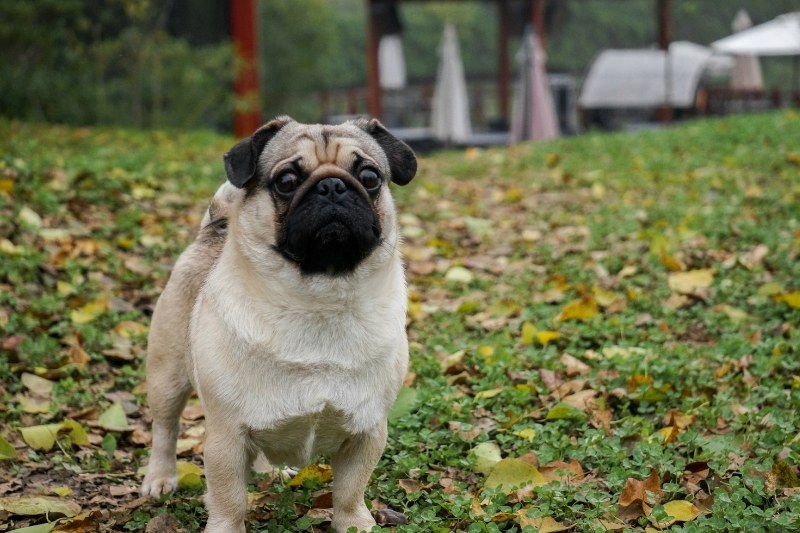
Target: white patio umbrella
450,121
534,114
777,37
746,68
391,62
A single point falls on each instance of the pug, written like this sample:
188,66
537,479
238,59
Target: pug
287,316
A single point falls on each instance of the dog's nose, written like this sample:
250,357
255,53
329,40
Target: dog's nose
333,188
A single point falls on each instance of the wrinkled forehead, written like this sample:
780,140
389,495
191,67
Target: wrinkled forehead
310,146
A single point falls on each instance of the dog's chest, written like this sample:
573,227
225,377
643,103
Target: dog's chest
307,378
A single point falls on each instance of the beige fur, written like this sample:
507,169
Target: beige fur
285,364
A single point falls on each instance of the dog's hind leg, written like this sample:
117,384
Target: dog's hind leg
168,388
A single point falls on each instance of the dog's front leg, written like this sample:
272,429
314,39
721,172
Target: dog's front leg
227,467
353,464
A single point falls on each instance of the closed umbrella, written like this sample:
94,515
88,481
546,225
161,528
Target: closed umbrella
450,121
534,114
746,68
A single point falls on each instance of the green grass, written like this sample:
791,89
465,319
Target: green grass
703,388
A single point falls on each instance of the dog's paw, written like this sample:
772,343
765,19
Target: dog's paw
361,520
156,485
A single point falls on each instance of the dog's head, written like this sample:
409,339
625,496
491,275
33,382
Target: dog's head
318,195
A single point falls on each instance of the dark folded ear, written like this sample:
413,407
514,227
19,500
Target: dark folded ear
241,162
402,161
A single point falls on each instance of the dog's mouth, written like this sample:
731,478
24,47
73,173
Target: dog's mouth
329,234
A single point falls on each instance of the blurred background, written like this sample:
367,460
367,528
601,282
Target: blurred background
230,64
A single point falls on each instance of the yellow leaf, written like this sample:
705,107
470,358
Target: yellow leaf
582,309
511,474
29,217
681,510
40,437
114,419
691,281
527,434
486,350
545,337
491,393
39,505
545,524
77,435
61,491
36,384
189,475
527,333
129,328
90,311
487,455
7,451
322,473
791,298
33,405
672,263
459,274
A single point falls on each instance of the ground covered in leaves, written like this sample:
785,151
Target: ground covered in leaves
604,334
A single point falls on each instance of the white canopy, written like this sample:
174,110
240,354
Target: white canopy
777,37
450,120
637,78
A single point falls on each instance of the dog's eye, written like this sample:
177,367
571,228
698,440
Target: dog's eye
369,179
286,183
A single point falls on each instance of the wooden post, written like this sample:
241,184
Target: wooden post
504,68
373,75
664,38
537,21
247,114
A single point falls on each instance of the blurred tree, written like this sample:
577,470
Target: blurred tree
108,62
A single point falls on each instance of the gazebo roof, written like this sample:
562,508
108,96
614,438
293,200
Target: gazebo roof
637,78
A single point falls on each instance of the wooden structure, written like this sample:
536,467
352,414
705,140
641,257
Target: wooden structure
243,21
536,11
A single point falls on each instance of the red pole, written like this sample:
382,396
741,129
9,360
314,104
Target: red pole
664,38
373,76
247,114
537,21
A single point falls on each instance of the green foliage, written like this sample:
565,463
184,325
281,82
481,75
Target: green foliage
689,388
108,62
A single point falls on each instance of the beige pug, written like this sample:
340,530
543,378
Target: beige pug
287,315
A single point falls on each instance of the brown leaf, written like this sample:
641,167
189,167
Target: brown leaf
636,491
390,517
574,366
550,379
164,523
411,485
563,472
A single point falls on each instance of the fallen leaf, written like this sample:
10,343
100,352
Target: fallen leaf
320,473
90,311
582,309
39,505
189,475
511,474
40,437
406,402
792,299
564,411
691,281
33,405
487,455
681,510
544,524
7,451
490,393
390,517
411,485
36,384
528,434
459,274
574,366
113,418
